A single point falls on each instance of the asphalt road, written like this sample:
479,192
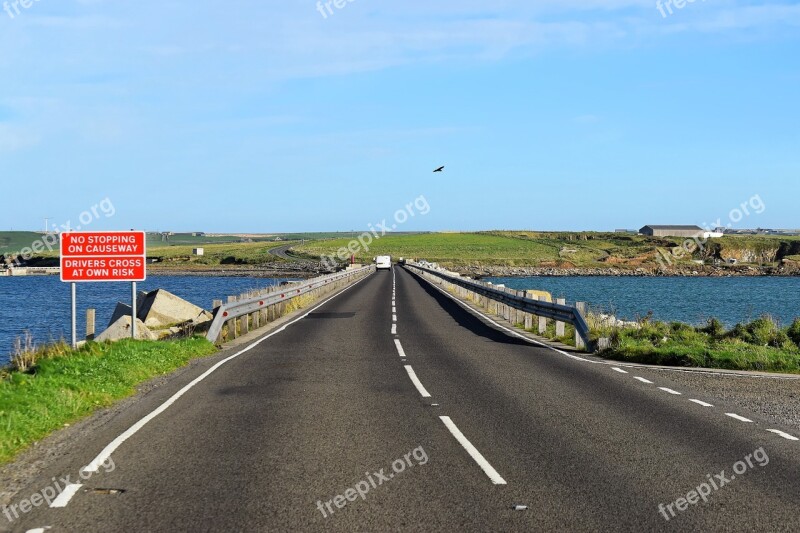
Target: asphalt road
471,422
281,251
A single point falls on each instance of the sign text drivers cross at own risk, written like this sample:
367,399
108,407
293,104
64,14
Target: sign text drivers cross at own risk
103,256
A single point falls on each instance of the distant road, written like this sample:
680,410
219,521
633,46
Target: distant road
281,251
343,397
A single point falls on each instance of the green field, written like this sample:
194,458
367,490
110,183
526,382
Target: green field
12,242
521,248
255,253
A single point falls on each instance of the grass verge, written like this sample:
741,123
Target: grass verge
760,345
63,389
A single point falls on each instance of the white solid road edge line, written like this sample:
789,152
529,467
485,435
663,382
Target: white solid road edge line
103,456
66,495
701,402
399,347
676,393
473,452
415,380
783,434
737,417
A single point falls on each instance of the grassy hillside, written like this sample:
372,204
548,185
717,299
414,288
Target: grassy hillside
14,241
566,250
255,253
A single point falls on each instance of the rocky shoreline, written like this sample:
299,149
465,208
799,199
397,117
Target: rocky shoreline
481,271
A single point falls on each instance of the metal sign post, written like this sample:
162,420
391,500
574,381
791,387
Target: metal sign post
133,310
74,316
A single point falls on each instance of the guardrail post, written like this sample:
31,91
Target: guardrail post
560,325
581,307
216,303
522,316
90,314
245,319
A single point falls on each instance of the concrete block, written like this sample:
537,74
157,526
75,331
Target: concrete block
121,329
162,308
120,311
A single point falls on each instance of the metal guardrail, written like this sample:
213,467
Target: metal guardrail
234,310
554,311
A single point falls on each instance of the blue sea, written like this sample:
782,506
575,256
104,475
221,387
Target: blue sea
683,299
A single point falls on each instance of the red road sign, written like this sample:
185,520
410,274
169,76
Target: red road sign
103,256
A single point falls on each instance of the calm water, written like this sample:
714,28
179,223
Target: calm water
691,300
41,304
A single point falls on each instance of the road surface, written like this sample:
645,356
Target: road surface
281,251
391,407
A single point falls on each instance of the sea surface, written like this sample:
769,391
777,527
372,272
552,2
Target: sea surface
684,299
41,304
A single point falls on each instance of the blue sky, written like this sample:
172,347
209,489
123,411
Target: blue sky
265,116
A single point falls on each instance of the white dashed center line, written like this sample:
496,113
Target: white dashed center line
394,329
700,402
415,380
399,348
737,417
783,434
66,495
615,369
676,393
643,380
473,452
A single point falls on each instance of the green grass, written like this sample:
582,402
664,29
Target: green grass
760,345
63,389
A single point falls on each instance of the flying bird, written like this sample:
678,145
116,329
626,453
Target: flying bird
440,169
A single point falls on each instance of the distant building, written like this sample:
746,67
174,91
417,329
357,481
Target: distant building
672,231
199,251
198,234
631,231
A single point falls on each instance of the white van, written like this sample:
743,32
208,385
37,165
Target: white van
383,262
